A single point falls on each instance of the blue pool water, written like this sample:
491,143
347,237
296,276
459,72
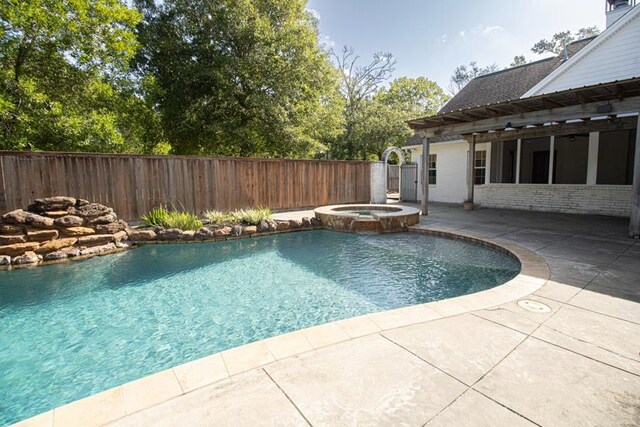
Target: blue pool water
71,330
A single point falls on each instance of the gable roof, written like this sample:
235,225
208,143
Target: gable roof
612,56
508,84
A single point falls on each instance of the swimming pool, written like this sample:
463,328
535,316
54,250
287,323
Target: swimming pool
71,330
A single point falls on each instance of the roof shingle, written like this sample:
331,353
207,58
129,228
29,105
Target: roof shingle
508,84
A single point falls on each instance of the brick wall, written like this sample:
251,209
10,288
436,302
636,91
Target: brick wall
614,200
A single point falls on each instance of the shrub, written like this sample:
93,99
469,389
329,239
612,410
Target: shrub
218,217
247,216
156,217
163,218
252,216
183,221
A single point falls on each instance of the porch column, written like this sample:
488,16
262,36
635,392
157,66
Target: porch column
471,168
552,154
518,154
425,176
634,223
592,162
487,175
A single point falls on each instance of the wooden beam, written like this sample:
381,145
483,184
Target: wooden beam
464,119
584,97
550,103
473,117
628,105
634,221
494,111
520,108
625,123
425,176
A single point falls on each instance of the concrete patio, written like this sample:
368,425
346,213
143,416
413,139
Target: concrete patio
577,364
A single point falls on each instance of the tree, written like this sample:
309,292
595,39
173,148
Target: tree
584,33
238,77
464,74
378,126
413,97
359,82
63,77
358,85
518,60
559,40
375,115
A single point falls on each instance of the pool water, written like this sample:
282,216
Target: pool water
74,329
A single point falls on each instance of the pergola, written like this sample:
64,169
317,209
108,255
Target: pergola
602,107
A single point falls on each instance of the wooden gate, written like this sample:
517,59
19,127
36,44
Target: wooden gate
409,182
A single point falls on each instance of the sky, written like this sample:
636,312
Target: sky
431,38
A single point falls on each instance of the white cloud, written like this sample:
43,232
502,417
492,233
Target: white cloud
443,38
492,29
487,29
462,33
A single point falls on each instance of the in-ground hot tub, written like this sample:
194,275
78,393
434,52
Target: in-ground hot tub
368,218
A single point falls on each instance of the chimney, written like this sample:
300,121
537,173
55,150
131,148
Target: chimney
615,9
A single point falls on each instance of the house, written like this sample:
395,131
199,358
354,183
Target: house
558,134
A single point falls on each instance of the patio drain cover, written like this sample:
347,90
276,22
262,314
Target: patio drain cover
535,306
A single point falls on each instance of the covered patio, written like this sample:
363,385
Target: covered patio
562,140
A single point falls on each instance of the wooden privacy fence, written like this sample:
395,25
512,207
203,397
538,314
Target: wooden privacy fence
134,184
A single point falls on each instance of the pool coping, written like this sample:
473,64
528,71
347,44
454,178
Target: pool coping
391,210
126,399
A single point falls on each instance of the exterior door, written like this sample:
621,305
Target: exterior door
409,182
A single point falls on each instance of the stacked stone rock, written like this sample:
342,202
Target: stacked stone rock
55,228
147,235
59,228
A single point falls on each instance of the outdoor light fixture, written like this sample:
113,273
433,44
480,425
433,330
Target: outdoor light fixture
508,126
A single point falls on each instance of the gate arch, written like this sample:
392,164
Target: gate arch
385,157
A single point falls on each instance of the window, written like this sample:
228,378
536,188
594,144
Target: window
480,168
433,159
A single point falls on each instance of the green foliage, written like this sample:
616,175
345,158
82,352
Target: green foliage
238,77
163,218
372,128
156,217
251,216
413,97
559,40
248,216
212,77
218,217
182,221
518,60
63,77
375,116
464,74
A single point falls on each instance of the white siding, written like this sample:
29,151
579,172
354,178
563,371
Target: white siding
451,167
614,55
